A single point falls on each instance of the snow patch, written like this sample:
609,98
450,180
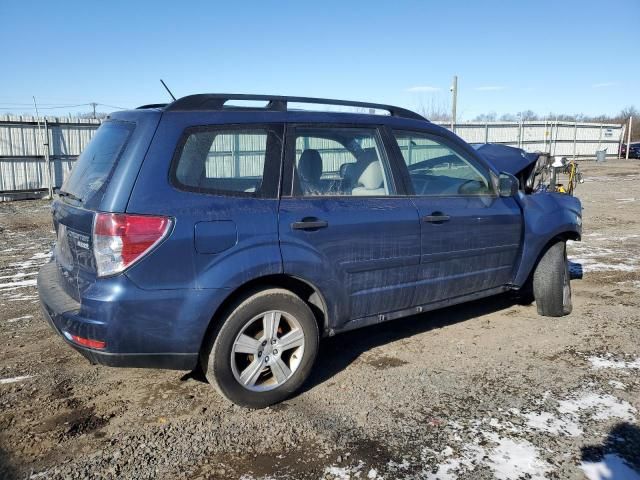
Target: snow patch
607,267
589,265
446,470
508,459
600,407
606,178
600,362
250,477
18,284
18,275
4,381
594,258
344,473
617,385
398,466
25,264
17,319
516,459
549,423
44,474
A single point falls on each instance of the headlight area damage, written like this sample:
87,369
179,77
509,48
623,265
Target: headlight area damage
535,171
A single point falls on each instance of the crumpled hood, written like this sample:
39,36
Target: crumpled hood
505,159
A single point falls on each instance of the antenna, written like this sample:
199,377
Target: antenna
167,88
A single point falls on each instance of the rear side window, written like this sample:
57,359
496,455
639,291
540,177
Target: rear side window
339,161
231,161
93,169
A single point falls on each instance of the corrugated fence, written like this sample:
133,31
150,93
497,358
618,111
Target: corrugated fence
558,138
23,141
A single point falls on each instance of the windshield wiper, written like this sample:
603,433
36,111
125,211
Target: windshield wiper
62,193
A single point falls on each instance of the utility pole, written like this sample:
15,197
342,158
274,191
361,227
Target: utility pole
93,104
575,136
47,159
520,130
45,144
629,137
454,101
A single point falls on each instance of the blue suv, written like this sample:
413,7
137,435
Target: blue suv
231,232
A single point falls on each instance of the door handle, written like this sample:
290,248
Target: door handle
436,217
309,224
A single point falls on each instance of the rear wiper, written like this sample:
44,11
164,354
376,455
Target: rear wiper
62,193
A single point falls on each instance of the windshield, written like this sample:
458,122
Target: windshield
92,170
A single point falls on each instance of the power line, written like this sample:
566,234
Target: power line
65,106
59,105
113,106
31,104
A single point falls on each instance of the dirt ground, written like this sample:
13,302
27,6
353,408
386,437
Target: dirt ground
483,390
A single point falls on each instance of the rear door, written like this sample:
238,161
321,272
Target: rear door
343,225
221,188
470,236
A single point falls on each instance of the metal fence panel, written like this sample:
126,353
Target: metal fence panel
558,138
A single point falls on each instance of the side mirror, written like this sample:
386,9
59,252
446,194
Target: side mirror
507,185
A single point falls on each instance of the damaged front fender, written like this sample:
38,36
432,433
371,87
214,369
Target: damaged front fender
547,216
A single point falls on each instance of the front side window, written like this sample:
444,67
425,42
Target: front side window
437,169
339,162
225,161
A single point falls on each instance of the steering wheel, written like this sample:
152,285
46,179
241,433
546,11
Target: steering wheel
466,187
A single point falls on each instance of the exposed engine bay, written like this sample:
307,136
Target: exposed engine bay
536,172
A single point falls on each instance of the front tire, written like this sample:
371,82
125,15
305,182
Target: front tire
551,282
263,350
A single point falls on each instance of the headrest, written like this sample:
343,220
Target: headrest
372,178
369,154
310,166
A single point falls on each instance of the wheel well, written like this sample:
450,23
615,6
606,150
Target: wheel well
564,236
569,235
308,293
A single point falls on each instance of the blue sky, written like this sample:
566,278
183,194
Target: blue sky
560,56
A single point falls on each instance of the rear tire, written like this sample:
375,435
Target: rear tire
263,350
551,282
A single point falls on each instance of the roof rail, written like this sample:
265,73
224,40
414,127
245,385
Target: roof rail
152,105
216,101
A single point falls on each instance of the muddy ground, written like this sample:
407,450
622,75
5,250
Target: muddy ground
484,390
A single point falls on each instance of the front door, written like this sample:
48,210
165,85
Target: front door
470,236
341,224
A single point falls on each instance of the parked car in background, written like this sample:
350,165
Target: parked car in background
634,150
232,237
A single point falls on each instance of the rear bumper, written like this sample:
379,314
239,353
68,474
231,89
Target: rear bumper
171,361
141,328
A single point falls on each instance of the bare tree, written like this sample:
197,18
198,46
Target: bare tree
98,115
436,111
487,117
623,117
508,117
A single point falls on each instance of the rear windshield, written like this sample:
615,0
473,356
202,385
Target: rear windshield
91,172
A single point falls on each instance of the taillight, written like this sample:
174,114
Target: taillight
86,342
120,239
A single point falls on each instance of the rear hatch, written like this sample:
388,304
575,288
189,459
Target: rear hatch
80,197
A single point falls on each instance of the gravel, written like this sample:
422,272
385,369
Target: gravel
483,390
